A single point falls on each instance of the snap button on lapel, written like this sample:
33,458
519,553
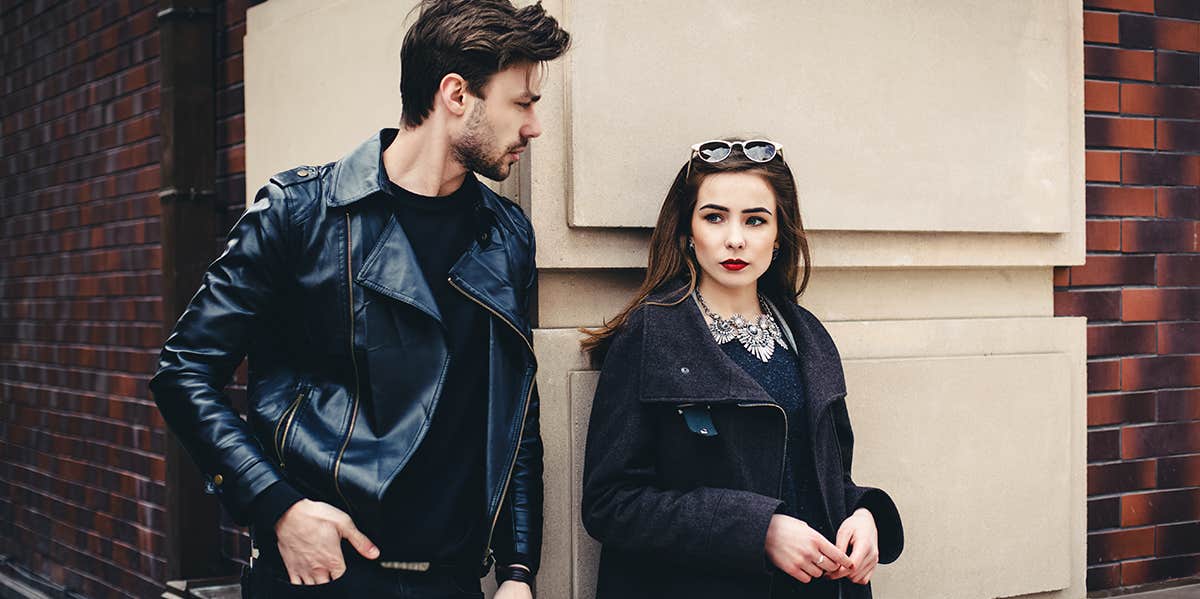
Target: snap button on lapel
685,370
302,173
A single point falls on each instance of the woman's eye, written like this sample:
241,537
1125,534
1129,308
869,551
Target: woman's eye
713,217
755,221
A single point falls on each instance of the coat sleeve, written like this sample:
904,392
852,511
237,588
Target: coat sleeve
718,529
876,501
206,346
518,534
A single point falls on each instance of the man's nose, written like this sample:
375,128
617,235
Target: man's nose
533,128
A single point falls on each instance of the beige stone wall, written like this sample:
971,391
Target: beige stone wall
939,151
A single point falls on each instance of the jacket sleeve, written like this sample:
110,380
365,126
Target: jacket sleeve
876,501
518,535
718,529
206,346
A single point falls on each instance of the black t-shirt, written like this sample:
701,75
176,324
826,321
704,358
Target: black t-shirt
434,509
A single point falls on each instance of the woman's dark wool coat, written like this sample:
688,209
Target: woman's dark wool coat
681,514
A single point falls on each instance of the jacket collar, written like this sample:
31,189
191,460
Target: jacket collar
675,313
358,175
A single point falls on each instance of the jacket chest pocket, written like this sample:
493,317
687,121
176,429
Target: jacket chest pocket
714,445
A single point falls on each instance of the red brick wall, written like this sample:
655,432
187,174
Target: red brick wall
81,443
1140,289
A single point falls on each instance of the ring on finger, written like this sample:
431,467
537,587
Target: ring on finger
820,559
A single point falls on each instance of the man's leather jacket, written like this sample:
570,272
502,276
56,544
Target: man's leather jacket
319,288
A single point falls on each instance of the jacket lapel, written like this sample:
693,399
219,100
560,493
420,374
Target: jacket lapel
392,269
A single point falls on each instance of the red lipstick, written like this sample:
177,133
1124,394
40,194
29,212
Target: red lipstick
734,264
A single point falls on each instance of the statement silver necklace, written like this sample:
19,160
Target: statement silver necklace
759,337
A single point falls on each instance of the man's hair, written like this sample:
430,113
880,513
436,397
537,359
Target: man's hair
474,38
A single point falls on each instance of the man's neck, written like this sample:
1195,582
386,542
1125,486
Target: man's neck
421,161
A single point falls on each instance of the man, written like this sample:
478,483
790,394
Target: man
392,446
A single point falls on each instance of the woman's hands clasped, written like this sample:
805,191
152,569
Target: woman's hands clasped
801,552
859,536
804,554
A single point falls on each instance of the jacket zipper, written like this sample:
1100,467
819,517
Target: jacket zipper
783,458
285,421
487,548
782,462
353,361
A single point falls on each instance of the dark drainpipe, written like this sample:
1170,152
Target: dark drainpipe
189,223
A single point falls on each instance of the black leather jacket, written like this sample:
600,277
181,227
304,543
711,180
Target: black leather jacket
318,287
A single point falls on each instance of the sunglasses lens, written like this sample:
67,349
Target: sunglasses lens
714,151
759,151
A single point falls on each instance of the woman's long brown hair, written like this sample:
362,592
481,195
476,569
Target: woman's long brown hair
671,261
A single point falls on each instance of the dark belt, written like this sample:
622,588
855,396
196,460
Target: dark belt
266,549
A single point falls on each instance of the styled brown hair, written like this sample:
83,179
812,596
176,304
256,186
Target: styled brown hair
474,38
671,263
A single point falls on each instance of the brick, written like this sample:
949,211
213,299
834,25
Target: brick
1112,340
1179,337
1179,404
1181,471
1103,577
1103,445
1100,27
1119,545
1121,408
1172,68
1116,63
1143,31
1117,132
1095,305
1102,96
1062,276
1158,236
1161,372
1180,102
1160,507
1157,440
1178,202
1102,269
1181,136
1136,5
1120,477
1104,167
1103,513
1104,375
1176,539
1157,569
1104,200
1185,9
1160,169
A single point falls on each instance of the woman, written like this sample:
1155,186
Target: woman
719,449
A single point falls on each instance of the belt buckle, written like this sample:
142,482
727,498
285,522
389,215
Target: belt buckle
406,566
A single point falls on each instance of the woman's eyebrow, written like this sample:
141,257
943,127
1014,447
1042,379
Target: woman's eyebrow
714,207
756,209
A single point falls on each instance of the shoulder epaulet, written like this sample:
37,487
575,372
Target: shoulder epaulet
293,176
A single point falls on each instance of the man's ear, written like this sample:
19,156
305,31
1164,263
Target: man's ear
451,94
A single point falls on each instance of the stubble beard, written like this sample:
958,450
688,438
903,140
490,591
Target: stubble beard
471,150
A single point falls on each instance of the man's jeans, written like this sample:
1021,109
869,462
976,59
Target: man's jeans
364,579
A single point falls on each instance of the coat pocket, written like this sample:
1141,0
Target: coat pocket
285,423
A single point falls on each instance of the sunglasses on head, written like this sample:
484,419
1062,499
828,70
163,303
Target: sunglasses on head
716,150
